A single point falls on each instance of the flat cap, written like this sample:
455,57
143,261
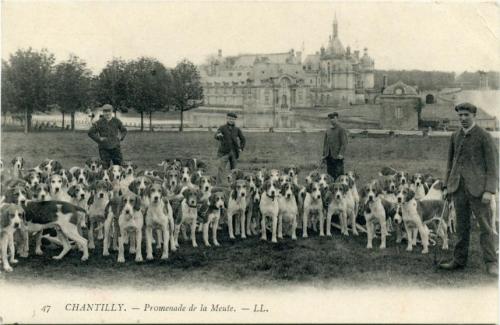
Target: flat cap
332,115
466,107
232,114
106,108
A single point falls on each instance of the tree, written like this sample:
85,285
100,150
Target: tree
71,87
147,87
185,90
26,80
110,86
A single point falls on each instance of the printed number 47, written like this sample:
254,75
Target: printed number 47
46,308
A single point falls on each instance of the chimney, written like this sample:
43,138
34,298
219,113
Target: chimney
384,82
356,54
219,53
348,51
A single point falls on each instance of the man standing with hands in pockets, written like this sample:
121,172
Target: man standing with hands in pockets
108,132
471,181
334,147
231,143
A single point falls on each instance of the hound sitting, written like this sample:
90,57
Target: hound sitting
313,203
269,208
97,205
129,169
80,196
293,172
418,186
158,214
209,215
17,167
93,165
273,175
81,175
337,205
186,214
11,219
288,211
374,212
58,188
354,190
253,217
130,220
351,203
236,208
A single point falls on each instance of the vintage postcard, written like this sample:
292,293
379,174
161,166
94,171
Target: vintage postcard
249,162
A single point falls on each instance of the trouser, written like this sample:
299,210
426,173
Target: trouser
334,167
465,203
110,155
223,160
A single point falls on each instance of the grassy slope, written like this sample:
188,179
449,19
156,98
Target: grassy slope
338,261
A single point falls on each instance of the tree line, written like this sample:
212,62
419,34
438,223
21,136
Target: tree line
435,80
32,81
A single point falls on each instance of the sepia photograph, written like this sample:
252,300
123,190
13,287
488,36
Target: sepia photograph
249,162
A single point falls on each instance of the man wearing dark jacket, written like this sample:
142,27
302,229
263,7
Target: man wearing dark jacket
108,132
471,181
231,142
334,146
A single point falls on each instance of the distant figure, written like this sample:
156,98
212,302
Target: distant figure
231,142
108,132
471,181
334,147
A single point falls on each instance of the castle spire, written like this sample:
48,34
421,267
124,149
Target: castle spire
335,26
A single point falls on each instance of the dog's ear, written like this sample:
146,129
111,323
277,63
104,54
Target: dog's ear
309,187
195,177
88,162
57,166
134,166
109,187
91,199
13,161
137,203
4,216
134,186
28,193
410,195
72,191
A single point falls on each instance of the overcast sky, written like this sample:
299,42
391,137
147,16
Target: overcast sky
410,35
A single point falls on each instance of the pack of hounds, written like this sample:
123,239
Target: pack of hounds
73,208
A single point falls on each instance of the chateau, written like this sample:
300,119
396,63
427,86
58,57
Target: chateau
279,82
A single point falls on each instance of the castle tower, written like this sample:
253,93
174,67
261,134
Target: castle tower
335,27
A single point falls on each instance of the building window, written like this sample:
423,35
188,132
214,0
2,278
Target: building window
225,90
299,95
399,113
239,74
248,73
230,74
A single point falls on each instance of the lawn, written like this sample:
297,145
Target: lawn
318,261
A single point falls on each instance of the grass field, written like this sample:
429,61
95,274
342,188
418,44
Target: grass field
315,261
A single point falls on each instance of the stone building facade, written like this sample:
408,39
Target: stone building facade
280,82
399,107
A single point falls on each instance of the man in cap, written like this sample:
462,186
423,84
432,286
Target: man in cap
334,146
471,181
231,142
108,132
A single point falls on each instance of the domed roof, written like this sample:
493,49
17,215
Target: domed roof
399,89
335,47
